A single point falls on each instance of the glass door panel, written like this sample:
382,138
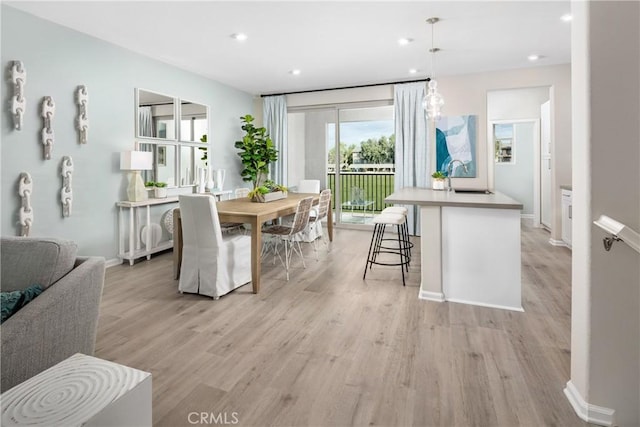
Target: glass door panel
367,162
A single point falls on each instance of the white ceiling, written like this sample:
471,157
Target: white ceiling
334,44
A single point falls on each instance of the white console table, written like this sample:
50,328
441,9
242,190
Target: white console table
135,245
81,391
135,249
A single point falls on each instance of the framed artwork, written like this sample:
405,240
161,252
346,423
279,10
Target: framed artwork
456,140
162,155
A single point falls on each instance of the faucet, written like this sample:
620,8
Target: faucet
450,171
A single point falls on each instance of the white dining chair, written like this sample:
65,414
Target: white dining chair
309,186
213,264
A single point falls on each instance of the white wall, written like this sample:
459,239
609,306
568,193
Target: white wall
57,60
516,180
605,347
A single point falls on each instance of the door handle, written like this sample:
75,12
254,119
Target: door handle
570,211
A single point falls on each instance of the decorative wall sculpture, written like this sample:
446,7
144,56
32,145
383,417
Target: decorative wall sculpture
26,211
48,137
66,194
18,101
82,122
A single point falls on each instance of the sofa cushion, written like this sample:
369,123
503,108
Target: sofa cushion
29,260
12,302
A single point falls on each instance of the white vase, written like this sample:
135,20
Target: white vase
202,180
160,192
437,184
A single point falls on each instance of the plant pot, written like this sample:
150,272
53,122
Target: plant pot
160,192
437,184
269,197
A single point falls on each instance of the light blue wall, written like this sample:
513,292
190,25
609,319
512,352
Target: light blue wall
57,60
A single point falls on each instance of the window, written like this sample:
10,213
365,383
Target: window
504,143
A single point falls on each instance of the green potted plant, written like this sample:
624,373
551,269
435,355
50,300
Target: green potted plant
437,182
268,192
160,189
257,152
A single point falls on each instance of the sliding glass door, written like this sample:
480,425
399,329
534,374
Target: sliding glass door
359,169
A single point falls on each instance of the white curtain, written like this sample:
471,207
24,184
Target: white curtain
145,121
274,109
412,147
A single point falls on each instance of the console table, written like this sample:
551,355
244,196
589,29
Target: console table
135,249
81,391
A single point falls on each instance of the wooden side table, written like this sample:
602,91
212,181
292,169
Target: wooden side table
81,391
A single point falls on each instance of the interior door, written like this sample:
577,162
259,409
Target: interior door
545,164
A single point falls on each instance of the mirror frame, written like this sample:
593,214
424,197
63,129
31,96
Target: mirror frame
177,142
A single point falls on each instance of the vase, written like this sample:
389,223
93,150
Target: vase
437,184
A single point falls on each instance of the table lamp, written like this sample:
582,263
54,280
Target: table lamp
135,161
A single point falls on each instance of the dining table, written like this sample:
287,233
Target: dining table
244,211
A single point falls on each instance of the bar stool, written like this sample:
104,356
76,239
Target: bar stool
402,211
375,247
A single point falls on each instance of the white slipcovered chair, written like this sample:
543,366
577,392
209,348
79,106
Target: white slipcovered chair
309,186
213,264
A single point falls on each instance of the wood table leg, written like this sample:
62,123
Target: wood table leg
256,246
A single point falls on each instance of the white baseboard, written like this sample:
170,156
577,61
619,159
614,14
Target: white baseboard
431,296
526,216
590,413
113,262
555,242
482,304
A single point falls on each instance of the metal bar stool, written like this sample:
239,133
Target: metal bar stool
402,211
375,247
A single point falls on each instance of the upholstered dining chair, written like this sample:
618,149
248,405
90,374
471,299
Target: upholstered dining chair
241,192
287,234
315,221
213,264
309,186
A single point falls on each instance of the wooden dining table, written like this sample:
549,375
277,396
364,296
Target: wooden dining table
244,211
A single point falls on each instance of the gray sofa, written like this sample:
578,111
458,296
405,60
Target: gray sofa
59,322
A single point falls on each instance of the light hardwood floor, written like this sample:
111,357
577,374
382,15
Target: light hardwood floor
327,348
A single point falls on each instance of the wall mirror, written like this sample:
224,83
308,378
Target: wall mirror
164,163
156,115
179,147
194,122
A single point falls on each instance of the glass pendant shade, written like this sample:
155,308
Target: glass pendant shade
432,101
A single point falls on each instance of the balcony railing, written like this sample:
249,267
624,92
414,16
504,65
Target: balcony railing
375,186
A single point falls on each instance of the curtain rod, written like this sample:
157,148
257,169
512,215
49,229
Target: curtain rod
345,87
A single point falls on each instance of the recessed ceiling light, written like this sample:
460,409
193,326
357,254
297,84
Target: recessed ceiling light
239,36
295,72
533,57
567,17
404,41
412,71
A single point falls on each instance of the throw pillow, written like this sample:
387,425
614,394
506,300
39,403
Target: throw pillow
11,302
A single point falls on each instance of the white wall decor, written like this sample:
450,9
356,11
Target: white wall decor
66,194
26,211
82,122
48,137
18,101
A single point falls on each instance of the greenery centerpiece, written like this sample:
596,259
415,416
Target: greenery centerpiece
257,152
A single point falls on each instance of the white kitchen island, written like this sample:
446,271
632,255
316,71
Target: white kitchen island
470,245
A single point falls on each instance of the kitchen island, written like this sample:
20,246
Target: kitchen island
470,246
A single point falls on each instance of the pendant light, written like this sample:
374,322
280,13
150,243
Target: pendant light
433,101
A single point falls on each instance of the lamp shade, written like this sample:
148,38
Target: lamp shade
136,160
